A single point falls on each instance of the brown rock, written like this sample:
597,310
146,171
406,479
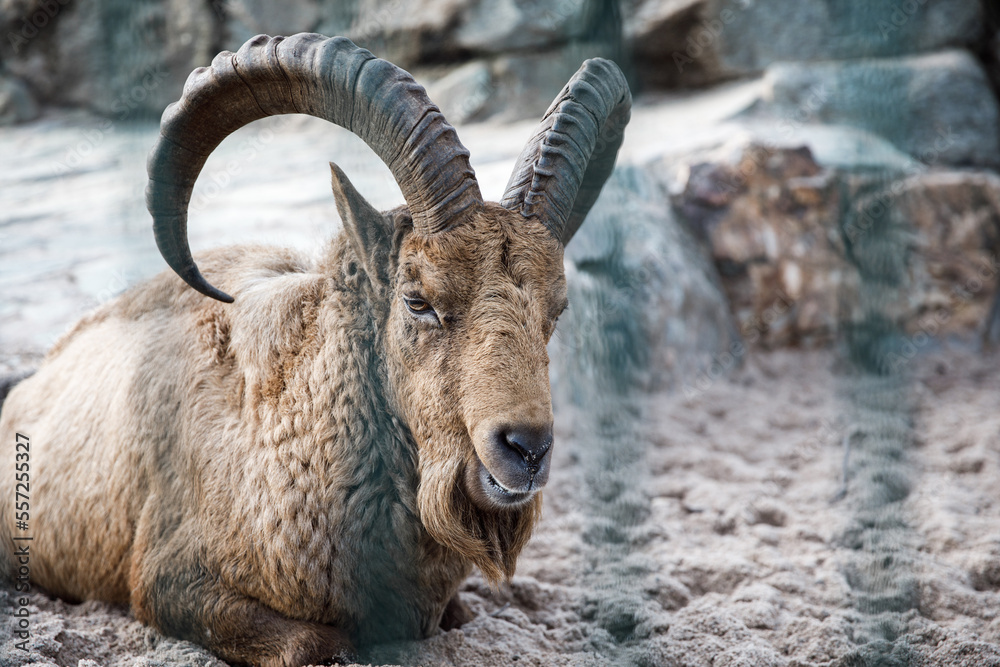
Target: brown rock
791,240
770,219
950,225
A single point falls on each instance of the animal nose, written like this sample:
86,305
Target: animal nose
530,443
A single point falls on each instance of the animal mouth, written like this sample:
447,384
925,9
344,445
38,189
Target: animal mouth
500,494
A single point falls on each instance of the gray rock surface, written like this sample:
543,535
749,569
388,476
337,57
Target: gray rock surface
246,18
526,83
512,86
119,58
656,33
436,31
811,30
464,93
405,33
17,104
696,42
662,283
938,107
518,25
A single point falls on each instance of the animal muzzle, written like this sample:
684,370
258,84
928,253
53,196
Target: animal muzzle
516,464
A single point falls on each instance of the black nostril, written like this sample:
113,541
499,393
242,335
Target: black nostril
530,443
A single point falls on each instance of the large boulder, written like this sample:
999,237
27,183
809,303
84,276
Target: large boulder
510,87
119,58
938,107
430,32
643,294
796,243
519,25
658,32
947,224
435,31
770,217
696,42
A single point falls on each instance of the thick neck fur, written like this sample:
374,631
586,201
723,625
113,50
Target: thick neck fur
332,475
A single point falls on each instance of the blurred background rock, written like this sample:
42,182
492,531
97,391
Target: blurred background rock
777,134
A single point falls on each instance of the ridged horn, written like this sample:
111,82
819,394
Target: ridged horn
329,78
564,165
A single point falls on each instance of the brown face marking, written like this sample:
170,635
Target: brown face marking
475,365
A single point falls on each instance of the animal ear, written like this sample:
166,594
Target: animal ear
370,232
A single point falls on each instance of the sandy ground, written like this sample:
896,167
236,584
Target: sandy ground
715,536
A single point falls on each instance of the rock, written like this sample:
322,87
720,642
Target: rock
668,592
750,655
517,25
770,219
954,220
789,238
658,286
819,30
656,32
526,83
937,107
838,146
984,571
16,102
767,511
437,31
406,34
98,56
696,42
525,52
246,18
967,653
465,92
509,87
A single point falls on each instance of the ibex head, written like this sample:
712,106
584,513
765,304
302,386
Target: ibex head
466,292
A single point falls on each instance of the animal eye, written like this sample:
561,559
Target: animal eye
417,306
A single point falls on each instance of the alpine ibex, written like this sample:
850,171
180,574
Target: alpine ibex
317,461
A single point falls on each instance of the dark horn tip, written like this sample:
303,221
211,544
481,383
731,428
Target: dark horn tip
192,276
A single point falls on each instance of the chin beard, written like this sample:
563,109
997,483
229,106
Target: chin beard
491,538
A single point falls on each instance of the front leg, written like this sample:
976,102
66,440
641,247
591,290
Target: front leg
456,614
182,600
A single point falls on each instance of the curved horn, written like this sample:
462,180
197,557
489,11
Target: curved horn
564,165
327,78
